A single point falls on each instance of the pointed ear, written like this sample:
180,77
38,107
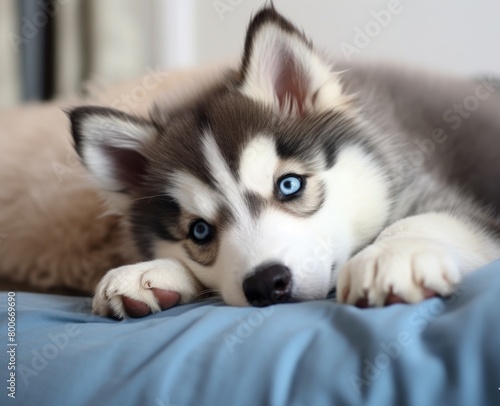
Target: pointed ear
281,68
111,145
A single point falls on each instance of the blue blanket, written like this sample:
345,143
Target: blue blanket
439,352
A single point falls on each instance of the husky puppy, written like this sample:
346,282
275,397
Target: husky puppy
295,175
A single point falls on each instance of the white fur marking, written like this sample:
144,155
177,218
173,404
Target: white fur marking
257,166
99,165
355,176
194,196
115,131
225,180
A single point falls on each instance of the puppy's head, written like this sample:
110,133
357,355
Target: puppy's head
263,186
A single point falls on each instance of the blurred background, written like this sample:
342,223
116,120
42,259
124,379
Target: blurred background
61,48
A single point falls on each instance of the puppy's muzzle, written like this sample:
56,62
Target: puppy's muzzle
268,284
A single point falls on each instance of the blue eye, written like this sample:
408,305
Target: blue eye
201,232
289,185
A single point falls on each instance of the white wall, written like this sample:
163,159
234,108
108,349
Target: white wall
459,36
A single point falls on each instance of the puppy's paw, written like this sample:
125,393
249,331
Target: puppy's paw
143,288
400,269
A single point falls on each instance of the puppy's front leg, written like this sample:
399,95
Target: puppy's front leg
139,289
415,258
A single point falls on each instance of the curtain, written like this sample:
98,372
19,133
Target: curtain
100,42
10,80
61,48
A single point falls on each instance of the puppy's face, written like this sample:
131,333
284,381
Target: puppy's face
262,187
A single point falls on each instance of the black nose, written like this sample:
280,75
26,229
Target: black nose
271,283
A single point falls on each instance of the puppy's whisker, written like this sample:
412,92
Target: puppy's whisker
211,292
151,197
